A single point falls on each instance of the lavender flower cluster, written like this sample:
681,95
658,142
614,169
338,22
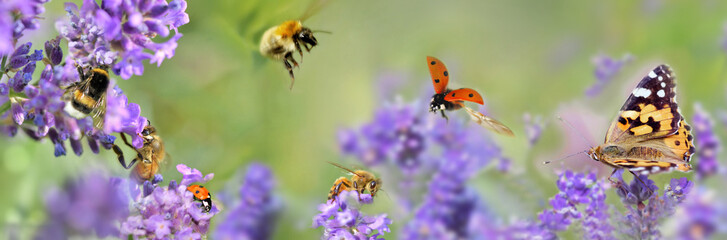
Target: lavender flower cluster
120,34
707,143
170,212
343,219
91,205
642,220
97,36
255,216
606,69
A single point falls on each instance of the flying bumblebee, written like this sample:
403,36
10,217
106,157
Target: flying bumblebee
281,41
149,157
360,181
87,97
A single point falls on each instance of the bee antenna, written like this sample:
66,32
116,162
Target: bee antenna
322,31
566,157
590,144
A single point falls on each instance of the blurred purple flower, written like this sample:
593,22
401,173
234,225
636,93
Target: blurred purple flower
413,140
169,211
255,216
449,205
89,206
606,70
533,127
341,219
707,143
16,16
701,216
120,34
642,221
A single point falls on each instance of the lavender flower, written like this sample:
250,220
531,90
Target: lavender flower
533,127
120,34
254,217
577,189
701,216
17,16
341,219
170,212
413,140
606,70
449,205
89,206
642,222
708,144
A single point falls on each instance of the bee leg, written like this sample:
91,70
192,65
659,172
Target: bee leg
290,71
290,58
300,51
120,155
80,72
337,190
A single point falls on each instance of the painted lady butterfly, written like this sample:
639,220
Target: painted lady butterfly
649,135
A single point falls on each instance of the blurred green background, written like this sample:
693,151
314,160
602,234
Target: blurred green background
219,105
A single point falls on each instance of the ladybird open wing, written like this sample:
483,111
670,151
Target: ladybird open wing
439,73
488,122
464,94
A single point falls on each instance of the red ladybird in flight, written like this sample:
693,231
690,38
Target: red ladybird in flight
201,194
447,99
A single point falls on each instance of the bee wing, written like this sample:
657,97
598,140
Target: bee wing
313,8
99,112
489,123
344,168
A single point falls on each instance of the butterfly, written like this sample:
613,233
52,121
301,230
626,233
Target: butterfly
649,135
447,99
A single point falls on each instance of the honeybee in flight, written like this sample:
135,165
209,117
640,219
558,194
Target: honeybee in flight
88,96
360,181
281,41
149,157
448,99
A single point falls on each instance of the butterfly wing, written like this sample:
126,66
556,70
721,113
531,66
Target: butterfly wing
464,94
489,123
650,111
440,75
652,133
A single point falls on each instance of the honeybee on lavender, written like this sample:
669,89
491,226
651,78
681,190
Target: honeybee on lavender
282,41
148,158
360,181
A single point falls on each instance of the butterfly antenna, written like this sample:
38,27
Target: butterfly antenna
566,157
590,144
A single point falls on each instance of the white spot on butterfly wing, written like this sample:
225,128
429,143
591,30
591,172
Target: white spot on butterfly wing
660,93
641,92
652,74
661,78
662,84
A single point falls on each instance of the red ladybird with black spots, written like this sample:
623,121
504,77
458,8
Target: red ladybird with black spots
448,99
203,195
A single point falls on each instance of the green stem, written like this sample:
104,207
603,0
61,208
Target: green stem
2,64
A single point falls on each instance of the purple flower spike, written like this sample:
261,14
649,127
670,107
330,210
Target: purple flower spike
533,127
341,219
643,221
53,50
101,211
255,216
15,18
606,69
707,143
121,34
